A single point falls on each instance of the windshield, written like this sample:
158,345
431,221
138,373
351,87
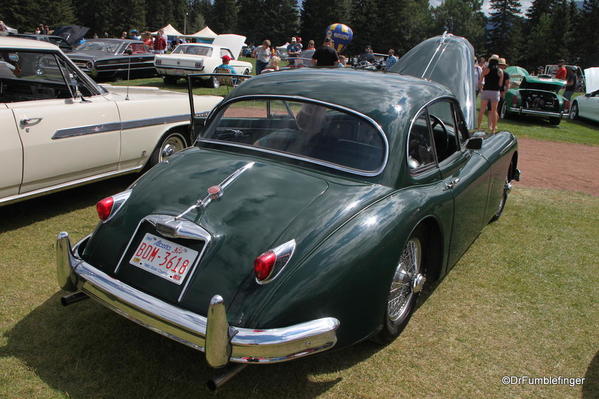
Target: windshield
311,131
107,47
193,50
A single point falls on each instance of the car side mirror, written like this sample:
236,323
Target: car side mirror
475,143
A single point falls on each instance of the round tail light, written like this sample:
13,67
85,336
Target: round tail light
104,208
264,264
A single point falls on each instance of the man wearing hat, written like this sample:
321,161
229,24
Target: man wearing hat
294,50
225,64
506,82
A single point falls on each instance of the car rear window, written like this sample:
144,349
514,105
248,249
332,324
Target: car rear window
315,132
193,50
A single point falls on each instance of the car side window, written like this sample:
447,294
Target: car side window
443,126
420,145
29,76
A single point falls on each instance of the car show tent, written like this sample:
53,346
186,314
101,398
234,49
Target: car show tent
169,31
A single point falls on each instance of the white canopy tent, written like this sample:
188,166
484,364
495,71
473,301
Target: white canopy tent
169,31
205,33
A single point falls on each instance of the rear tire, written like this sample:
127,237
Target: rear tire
170,143
170,80
504,113
506,190
574,111
406,284
213,82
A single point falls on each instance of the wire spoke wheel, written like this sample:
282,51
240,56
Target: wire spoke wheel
405,280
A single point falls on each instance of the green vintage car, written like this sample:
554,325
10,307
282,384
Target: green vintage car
536,96
313,208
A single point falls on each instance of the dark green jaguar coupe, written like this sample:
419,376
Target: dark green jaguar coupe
312,210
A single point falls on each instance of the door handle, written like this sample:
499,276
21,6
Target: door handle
30,121
452,183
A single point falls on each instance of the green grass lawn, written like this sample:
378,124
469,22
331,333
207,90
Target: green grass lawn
522,301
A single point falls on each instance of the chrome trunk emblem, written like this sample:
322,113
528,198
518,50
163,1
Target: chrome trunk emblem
215,192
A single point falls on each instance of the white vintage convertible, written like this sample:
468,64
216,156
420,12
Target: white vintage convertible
192,58
60,129
587,106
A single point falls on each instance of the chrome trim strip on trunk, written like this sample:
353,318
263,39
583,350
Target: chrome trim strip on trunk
116,126
248,345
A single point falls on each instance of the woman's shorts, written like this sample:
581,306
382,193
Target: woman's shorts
490,95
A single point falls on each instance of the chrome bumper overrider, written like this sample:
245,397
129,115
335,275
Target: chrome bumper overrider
211,334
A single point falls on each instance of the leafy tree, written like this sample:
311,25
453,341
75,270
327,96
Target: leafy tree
26,15
462,18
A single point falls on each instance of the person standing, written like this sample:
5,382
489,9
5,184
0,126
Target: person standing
570,86
493,78
391,59
326,55
262,54
478,72
506,82
561,70
293,51
160,43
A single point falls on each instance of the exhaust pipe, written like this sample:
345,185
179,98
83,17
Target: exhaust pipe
229,372
70,299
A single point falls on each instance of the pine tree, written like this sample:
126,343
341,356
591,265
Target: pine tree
588,46
283,20
506,33
363,15
317,15
224,18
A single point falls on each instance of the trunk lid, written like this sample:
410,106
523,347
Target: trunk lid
265,206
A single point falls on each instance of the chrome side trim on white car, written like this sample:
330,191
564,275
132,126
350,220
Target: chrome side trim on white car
116,126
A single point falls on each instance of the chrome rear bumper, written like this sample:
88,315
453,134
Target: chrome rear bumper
211,334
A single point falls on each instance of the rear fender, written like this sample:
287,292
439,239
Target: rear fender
346,276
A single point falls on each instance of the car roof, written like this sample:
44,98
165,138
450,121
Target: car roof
24,43
384,97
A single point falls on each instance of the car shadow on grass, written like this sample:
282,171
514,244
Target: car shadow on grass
30,211
590,388
525,121
87,350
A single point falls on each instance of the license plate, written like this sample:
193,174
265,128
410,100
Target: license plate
163,258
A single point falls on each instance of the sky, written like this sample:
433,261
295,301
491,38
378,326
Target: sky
525,5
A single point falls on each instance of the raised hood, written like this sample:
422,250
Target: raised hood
448,60
232,42
265,206
591,76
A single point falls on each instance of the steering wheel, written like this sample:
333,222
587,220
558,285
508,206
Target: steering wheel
441,141
437,121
